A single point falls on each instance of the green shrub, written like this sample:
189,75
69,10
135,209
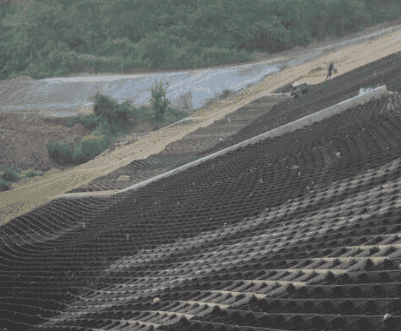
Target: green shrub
118,116
159,102
104,105
89,147
121,118
104,128
90,121
4,185
10,174
225,94
60,151
144,114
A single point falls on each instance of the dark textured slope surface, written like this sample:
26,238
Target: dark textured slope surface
184,150
386,71
298,232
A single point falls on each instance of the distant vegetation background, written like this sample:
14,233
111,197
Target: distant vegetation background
47,38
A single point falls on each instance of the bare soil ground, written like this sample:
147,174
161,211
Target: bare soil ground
24,138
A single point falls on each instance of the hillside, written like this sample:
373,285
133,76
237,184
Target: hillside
268,116
9,2
297,232
300,231
42,38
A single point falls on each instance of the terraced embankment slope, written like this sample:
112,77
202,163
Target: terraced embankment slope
24,199
296,232
266,116
184,150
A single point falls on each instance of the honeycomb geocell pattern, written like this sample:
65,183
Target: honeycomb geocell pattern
297,232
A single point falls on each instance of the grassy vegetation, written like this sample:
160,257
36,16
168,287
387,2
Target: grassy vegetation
90,146
51,36
4,185
111,120
60,151
225,94
9,175
284,67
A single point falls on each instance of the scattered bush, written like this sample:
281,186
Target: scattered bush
159,102
119,116
4,185
90,121
89,147
10,174
225,94
60,151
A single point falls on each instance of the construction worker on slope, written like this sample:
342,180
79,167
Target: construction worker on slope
330,68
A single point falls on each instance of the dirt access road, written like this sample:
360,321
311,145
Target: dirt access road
40,190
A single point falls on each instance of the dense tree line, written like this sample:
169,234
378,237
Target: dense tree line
171,33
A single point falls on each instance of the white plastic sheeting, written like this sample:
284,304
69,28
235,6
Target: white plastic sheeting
186,90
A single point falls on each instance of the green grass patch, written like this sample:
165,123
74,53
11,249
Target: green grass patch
60,151
225,94
10,174
4,185
284,67
90,121
110,121
89,147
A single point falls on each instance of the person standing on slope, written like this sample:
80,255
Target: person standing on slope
330,68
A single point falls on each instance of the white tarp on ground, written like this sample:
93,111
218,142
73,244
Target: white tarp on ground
72,95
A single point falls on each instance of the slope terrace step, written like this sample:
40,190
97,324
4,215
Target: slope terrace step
202,303
225,326
258,105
